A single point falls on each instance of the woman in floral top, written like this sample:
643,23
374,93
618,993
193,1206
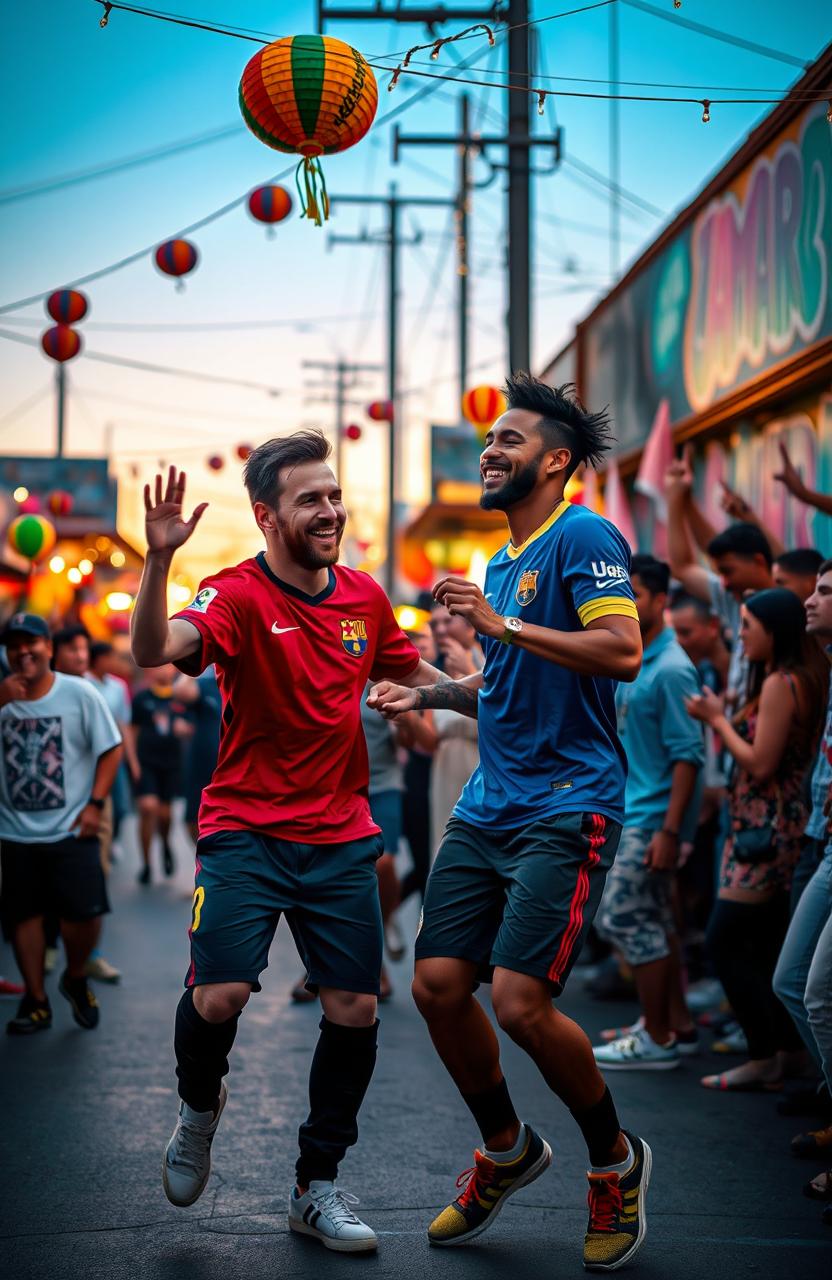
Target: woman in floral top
772,740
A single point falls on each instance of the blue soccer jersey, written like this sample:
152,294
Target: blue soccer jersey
547,736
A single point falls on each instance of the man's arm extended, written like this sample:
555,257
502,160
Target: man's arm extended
392,700
155,639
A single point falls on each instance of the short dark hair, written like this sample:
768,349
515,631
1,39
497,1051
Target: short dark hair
744,540
803,560
826,567
655,574
564,422
100,649
66,635
262,472
681,599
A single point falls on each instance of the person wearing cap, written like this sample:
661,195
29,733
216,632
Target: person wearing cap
59,753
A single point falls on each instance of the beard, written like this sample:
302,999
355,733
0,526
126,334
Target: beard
304,550
514,490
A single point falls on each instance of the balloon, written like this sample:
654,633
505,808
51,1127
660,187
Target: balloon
176,258
59,503
482,406
32,537
67,306
216,462
270,204
61,343
380,411
311,95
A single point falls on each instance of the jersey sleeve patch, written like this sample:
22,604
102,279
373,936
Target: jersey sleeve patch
202,599
603,606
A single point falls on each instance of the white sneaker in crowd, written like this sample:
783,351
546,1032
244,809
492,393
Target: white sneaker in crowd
637,1052
326,1212
186,1166
100,969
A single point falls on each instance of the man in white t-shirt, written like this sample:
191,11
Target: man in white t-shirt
59,752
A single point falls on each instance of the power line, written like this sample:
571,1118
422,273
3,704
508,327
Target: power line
740,42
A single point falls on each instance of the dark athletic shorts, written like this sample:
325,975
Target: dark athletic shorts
328,893
159,780
386,810
522,899
63,880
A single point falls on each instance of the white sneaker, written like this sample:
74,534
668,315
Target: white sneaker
100,969
705,994
50,959
186,1166
325,1211
637,1052
618,1033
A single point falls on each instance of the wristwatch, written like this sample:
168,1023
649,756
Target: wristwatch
97,801
513,626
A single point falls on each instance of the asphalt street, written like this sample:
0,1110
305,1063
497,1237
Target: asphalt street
86,1117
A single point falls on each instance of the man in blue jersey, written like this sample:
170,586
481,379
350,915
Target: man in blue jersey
520,872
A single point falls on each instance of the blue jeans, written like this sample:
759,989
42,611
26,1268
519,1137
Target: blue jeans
792,972
819,999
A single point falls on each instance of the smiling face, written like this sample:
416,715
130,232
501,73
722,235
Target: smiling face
29,656
516,460
819,608
309,517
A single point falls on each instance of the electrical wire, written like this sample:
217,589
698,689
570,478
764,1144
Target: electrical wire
750,45
20,410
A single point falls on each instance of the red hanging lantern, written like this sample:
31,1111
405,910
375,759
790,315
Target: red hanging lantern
244,451
61,343
352,432
269,204
29,506
67,306
176,258
380,411
482,406
59,503
216,462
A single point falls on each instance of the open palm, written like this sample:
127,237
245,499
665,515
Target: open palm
164,526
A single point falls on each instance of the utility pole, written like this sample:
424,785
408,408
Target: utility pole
393,204
615,150
60,403
344,372
518,140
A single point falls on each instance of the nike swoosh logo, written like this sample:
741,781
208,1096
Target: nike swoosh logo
280,631
608,582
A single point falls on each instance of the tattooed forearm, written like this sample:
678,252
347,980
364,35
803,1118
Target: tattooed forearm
449,695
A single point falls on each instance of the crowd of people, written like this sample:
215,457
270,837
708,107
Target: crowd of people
477,762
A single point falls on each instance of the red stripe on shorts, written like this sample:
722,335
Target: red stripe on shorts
579,898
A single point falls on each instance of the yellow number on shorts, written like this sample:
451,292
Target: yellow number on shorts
199,898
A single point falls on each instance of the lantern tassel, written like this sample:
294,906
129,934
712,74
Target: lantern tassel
313,196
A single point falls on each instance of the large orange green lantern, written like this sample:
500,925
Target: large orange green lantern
482,406
32,537
311,95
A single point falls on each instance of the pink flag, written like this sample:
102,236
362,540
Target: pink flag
655,460
616,505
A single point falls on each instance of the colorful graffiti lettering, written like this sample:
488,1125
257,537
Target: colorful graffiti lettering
760,267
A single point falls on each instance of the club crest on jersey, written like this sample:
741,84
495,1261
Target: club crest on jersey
527,586
202,599
354,636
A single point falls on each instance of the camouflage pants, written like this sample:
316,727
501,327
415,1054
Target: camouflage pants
635,913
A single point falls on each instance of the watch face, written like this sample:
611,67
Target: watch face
514,624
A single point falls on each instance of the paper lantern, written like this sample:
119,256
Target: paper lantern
59,503
176,258
311,95
380,411
32,537
270,204
482,406
67,306
244,451
216,462
352,432
29,506
61,343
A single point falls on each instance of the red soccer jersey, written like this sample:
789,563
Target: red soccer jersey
291,670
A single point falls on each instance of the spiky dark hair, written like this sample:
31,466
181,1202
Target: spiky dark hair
564,422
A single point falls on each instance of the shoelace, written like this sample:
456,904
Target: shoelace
605,1203
476,1180
336,1205
191,1145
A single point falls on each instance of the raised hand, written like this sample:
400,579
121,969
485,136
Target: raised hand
732,504
678,479
164,526
790,477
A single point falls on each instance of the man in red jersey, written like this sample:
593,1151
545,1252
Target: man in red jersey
285,824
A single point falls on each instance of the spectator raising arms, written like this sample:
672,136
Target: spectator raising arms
772,739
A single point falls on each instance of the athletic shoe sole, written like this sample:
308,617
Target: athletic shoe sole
339,1246
534,1171
183,1204
642,1226
637,1066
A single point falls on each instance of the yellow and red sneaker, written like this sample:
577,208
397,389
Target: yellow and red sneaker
486,1188
617,1218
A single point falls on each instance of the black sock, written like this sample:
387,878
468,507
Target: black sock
600,1127
492,1109
202,1050
338,1079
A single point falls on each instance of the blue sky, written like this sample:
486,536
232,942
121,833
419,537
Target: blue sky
76,96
